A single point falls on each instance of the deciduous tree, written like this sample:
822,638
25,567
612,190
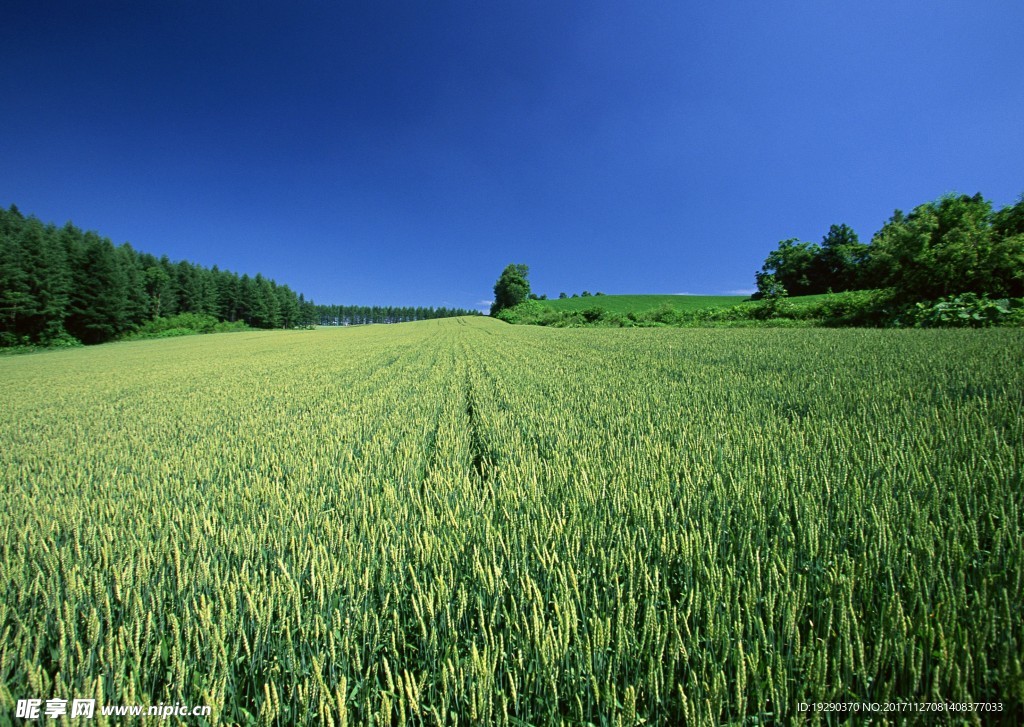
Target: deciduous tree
512,288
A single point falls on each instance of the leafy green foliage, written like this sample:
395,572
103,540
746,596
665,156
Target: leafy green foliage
1009,221
184,324
954,245
793,266
965,310
839,262
512,288
946,248
771,293
804,268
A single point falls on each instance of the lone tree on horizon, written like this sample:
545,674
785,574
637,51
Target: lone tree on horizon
512,288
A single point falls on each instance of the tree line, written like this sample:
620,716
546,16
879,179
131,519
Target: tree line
355,315
954,245
63,284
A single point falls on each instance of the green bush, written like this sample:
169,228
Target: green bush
853,308
64,340
592,315
230,326
10,340
967,310
665,314
12,344
184,324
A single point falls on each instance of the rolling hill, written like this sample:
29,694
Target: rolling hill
642,303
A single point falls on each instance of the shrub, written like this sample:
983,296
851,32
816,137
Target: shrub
184,324
231,326
967,310
664,313
592,314
64,340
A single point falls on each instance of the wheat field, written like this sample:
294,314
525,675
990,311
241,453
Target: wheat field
465,522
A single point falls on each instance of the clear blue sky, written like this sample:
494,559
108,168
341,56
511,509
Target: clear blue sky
405,152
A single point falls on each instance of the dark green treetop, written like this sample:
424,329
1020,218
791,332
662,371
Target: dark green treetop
512,288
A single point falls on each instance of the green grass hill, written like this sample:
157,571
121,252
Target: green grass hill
642,303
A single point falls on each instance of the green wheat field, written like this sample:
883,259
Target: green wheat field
465,522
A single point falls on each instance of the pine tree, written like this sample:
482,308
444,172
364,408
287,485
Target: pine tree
97,310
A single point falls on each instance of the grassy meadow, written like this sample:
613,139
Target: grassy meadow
466,522
643,303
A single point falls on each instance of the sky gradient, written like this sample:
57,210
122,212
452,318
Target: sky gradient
404,152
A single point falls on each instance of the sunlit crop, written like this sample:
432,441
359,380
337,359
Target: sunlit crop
465,521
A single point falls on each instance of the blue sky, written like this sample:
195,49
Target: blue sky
405,152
